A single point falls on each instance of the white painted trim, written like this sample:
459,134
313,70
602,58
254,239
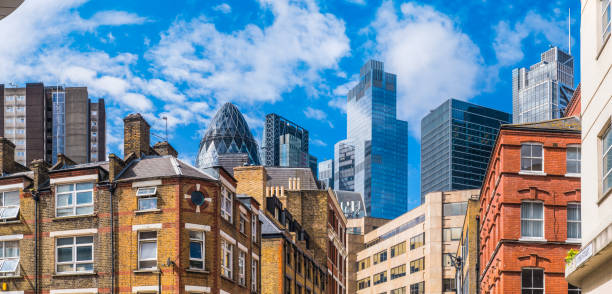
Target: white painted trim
196,227
223,292
69,291
73,232
146,183
255,256
227,237
11,238
572,175
137,289
175,166
243,210
227,184
9,188
12,292
147,227
200,289
532,173
76,179
242,247
254,210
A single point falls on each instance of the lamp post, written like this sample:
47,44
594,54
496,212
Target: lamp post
457,263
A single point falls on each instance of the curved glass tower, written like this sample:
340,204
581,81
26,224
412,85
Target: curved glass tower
228,141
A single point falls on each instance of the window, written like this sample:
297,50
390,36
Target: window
9,131
573,159
448,285
20,98
532,220
10,109
363,283
574,217
380,257
226,258
398,271
93,124
363,264
531,157
74,199
9,205
453,209
147,250
571,289
418,288
417,265
147,198
298,289
9,258
380,278
532,281
74,254
226,204
287,285
20,108
243,222
94,134
196,249
447,259
254,228
451,234
254,275
20,131
398,249
417,241
288,255
9,98
242,268
607,160
94,112
20,154
401,290
605,19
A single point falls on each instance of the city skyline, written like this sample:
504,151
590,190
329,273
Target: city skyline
129,59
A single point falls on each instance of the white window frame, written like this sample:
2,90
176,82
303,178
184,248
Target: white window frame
243,223
227,248
227,204
567,159
531,202
576,205
532,288
254,227
202,242
531,157
606,26
606,151
4,259
147,193
147,240
242,267
74,262
8,212
253,275
74,204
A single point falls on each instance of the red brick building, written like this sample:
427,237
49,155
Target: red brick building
530,208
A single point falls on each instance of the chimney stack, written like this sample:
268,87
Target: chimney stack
136,136
164,148
41,172
7,156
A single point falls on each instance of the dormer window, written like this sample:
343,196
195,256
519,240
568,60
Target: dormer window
74,199
147,198
9,205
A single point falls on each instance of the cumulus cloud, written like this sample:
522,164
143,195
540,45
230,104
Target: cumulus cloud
255,64
509,37
318,142
314,113
223,8
432,58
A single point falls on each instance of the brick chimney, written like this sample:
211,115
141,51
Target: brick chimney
164,148
115,166
41,172
136,136
7,156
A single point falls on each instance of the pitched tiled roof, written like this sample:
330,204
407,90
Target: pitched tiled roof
101,164
267,226
279,176
571,124
159,167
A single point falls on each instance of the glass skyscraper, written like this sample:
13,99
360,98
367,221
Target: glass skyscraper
543,91
456,143
380,143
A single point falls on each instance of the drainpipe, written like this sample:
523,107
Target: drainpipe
478,254
36,196
112,187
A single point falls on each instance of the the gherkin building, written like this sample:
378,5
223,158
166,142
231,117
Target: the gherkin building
228,141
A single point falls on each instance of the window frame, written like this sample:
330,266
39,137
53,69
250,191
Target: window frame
4,207
531,158
413,265
606,28
148,240
5,258
453,231
73,196
147,194
578,206
414,239
254,267
242,268
227,204
227,270
543,220
202,243
605,151
243,223
567,160
74,262
254,222
400,271
543,279
396,249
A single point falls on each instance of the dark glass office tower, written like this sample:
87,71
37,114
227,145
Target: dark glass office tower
285,143
380,143
456,142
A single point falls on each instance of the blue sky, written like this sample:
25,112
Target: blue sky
184,58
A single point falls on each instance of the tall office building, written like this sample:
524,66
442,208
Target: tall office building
543,91
344,166
380,143
456,143
326,174
285,143
45,121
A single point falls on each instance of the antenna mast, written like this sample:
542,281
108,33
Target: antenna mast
569,30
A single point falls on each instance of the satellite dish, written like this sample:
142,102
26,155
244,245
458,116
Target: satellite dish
197,198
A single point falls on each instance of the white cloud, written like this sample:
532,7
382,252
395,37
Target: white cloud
358,2
314,113
509,38
318,142
432,58
223,7
255,64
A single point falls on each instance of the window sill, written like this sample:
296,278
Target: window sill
528,239
58,275
10,277
574,241
157,210
228,279
198,271
10,222
604,196
572,175
532,173
603,45
147,271
61,218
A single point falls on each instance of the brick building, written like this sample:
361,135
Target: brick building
292,201
467,250
142,224
530,208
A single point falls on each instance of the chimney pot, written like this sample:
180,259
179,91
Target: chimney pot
164,148
136,135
